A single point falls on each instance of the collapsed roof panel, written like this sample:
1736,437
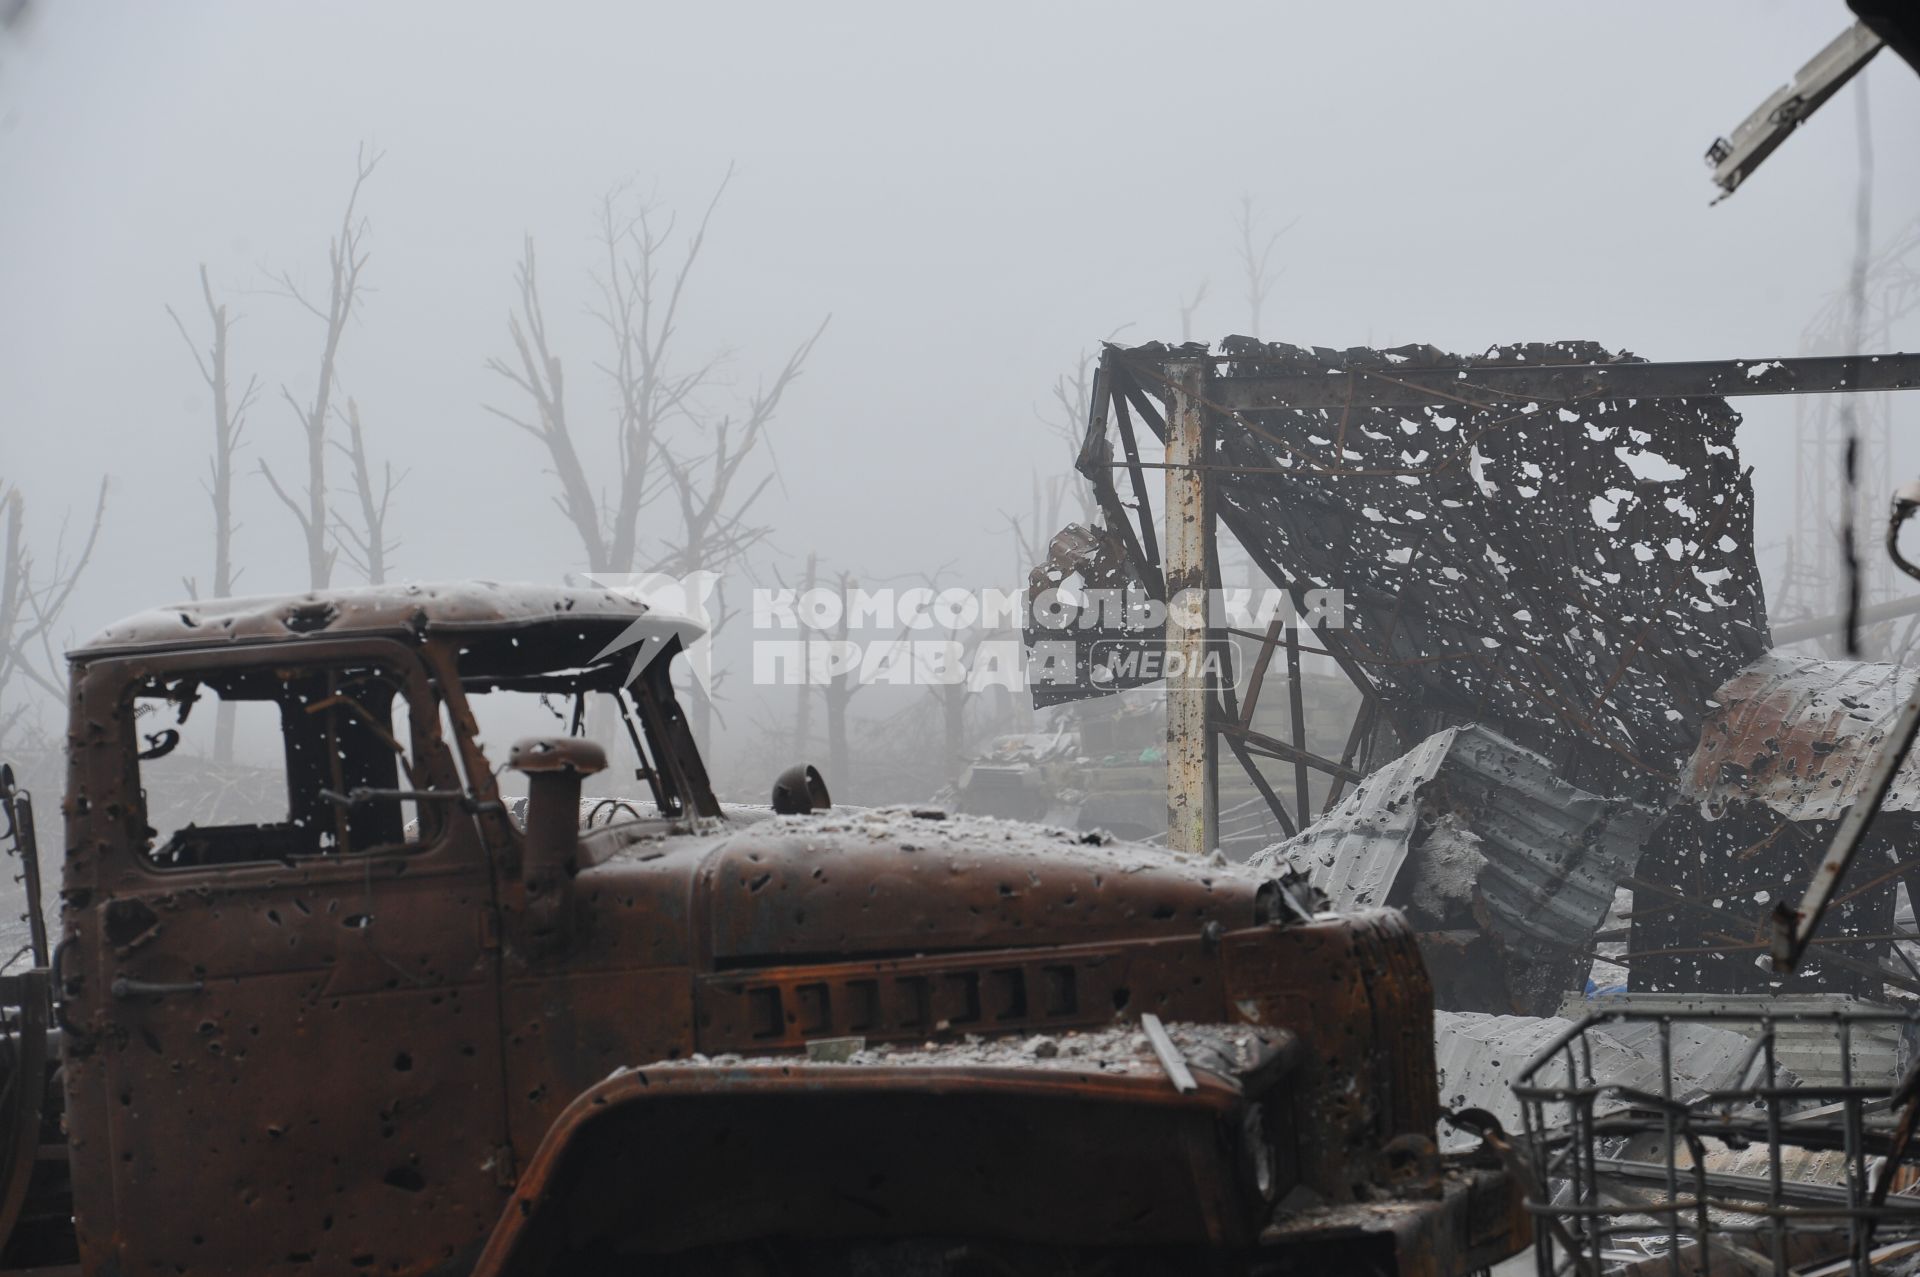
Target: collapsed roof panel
1472,834
1800,736
1559,573
1478,1055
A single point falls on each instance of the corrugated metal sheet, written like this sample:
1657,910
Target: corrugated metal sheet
1799,736
1354,853
1806,1035
1479,1055
1552,852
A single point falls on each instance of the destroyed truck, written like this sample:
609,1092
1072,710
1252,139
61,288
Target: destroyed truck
386,1026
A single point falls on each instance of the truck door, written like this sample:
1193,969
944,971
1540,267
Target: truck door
281,981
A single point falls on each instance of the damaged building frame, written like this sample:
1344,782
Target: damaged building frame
1544,555
1550,608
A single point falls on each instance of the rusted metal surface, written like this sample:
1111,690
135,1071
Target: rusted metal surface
1799,736
1509,868
341,1040
892,1142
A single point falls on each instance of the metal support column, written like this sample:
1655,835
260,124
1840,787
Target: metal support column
1191,806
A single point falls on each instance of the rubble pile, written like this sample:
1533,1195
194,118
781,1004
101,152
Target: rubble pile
1225,1049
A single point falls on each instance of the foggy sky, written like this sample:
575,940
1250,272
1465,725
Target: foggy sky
976,194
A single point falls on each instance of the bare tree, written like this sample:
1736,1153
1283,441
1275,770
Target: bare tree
31,604
954,696
1187,306
674,452
346,258
837,693
665,439
367,545
1256,261
803,712
1033,531
229,420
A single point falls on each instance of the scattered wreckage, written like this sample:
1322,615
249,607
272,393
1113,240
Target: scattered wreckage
1555,623
1549,547
390,1026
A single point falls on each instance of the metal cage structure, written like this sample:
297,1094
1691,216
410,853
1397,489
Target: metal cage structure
1772,1174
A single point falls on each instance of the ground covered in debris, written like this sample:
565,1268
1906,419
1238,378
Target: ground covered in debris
1225,1049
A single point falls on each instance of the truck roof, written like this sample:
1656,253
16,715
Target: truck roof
463,607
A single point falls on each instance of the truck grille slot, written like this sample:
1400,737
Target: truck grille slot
960,1000
891,1003
763,1013
812,1011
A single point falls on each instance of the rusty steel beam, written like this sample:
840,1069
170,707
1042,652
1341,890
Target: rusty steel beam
1135,471
1296,714
1520,383
1362,727
1259,674
1793,927
1191,815
1279,809
1279,749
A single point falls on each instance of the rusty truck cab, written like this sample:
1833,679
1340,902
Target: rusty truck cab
341,1005
281,979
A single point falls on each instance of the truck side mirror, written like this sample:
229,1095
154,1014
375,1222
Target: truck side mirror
554,767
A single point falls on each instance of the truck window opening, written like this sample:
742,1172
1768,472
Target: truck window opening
296,732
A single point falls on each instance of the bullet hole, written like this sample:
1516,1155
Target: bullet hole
1122,996
403,1063
406,1178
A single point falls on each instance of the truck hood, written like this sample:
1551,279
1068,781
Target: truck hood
898,881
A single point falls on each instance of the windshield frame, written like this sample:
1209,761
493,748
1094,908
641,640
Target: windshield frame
666,755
